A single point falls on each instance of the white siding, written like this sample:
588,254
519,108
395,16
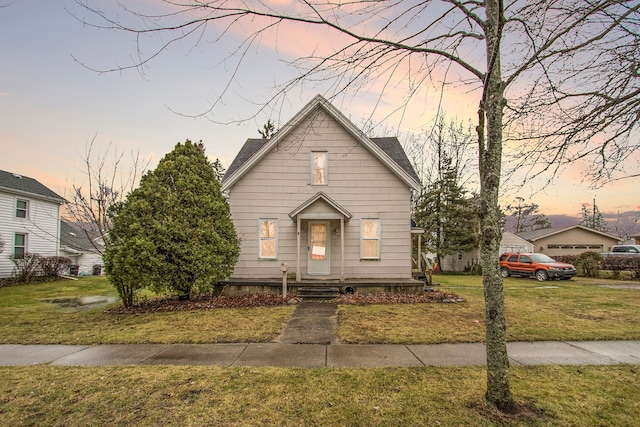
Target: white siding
85,261
41,227
357,181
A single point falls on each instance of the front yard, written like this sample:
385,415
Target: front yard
212,395
578,309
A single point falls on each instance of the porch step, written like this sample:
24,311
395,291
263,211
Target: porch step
318,294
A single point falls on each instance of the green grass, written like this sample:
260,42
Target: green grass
196,396
559,310
190,396
569,310
26,318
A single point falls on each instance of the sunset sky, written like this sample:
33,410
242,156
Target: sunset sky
52,105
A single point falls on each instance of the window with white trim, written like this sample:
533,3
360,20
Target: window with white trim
22,208
19,245
370,239
319,167
268,239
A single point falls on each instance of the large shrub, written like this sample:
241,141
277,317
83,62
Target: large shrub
174,232
588,264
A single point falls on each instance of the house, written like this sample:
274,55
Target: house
570,240
512,243
467,260
85,253
29,219
324,199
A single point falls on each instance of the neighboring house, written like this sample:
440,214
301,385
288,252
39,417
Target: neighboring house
466,260
29,219
76,245
324,198
570,240
636,239
512,243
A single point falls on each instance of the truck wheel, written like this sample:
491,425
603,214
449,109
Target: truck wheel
504,271
542,275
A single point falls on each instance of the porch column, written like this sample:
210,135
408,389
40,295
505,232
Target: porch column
419,252
298,275
342,248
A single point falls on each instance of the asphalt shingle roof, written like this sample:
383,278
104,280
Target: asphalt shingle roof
390,145
75,238
24,184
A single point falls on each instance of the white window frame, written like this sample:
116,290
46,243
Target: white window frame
363,239
23,246
261,238
326,167
25,209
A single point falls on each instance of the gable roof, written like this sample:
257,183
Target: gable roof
534,235
320,196
75,238
18,184
387,150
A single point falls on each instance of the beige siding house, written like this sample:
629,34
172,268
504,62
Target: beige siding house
571,240
323,198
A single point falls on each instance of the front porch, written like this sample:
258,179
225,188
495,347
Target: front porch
374,286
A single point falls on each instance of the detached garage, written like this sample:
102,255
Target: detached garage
570,240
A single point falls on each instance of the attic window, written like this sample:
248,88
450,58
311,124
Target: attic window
319,167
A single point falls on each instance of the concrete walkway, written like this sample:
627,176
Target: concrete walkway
309,341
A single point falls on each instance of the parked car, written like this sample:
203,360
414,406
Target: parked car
539,266
623,250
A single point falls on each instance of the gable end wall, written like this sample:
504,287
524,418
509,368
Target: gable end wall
357,181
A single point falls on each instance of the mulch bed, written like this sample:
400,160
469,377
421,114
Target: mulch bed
270,300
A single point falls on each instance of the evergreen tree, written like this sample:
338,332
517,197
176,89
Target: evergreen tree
526,216
174,232
268,130
448,216
594,218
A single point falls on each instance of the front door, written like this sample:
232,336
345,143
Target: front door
319,245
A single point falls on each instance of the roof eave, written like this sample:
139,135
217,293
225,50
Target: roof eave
60,200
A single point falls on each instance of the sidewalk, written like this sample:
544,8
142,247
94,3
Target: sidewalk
320,355
309,341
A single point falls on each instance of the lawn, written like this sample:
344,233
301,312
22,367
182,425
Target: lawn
578,309
194,396
564,310
198,396
27,318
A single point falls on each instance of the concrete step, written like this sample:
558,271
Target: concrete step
318,293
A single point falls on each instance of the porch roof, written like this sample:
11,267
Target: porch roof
339,211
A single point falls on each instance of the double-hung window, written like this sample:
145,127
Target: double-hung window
268,239
22,208
370,239
319,167
19,245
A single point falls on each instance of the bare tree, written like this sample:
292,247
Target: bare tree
625,225
541,71
452,141
104,185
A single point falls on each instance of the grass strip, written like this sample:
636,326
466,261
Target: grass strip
195,396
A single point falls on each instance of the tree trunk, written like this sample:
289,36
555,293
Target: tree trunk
490,152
